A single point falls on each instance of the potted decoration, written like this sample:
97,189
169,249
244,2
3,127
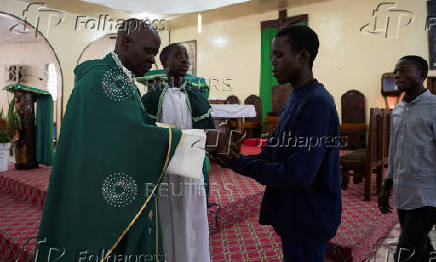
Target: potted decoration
9,126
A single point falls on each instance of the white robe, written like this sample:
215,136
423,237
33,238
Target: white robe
182,200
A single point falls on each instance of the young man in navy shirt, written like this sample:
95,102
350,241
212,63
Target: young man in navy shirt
300,163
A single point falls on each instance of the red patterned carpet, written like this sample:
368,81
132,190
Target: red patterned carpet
246,241
238,198
19,222
235,232
363,228
29,185
359,236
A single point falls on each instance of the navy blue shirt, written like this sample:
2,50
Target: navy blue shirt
300,167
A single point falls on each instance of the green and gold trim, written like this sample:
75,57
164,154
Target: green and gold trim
167,160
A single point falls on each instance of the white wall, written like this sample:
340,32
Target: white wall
97,49
347,59
68,41
35,57
100,47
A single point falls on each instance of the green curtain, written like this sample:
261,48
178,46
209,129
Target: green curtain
267,81
44,130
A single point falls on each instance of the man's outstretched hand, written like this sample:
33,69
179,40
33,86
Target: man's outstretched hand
225,159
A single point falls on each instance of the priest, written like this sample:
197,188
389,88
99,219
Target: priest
101,203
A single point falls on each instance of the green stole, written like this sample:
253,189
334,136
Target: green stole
108,161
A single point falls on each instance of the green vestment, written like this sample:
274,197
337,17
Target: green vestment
107,162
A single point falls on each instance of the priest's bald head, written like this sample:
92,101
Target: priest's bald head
137,45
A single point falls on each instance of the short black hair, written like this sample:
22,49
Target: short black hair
301,37
419,62
163,57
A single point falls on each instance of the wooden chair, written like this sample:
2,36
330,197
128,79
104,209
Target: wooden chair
431,84
217,101
280,95
226,125
233,100
386,127
388,133
252,125
353,123
364,162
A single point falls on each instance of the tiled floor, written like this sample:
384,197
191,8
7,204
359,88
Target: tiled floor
386,250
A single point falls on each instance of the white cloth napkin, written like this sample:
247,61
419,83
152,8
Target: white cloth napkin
189,155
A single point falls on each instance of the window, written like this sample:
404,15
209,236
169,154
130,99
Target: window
52,81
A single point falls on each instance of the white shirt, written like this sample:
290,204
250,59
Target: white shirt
175,110
412,152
